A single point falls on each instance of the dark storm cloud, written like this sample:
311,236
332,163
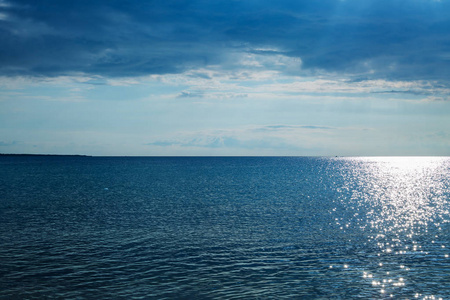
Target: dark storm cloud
370,39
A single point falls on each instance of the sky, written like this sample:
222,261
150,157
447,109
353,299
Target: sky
232,77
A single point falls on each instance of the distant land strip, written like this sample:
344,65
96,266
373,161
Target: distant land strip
25,154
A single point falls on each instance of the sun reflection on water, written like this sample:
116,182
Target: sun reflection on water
409,193
405,205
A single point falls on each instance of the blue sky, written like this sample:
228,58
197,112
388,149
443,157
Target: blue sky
235,77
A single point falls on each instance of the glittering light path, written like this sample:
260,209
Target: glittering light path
401,205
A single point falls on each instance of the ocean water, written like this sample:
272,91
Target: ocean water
224,228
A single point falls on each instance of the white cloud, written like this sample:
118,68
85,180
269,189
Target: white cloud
214,84
346,86
251,75
277,62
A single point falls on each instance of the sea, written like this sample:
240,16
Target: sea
75,227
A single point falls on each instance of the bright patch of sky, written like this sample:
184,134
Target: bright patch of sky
225,77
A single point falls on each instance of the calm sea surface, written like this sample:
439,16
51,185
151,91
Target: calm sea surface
224,228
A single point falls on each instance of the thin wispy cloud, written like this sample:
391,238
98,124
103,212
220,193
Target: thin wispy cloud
266,138
7,144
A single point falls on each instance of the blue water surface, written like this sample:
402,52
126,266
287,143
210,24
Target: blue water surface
224,227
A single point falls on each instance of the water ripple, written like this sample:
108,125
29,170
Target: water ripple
233,228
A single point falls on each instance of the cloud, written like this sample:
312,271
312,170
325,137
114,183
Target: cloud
291,127
188,94
238,83
437,98
211,95
8,144
286,139
367,39
268,137
222,141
